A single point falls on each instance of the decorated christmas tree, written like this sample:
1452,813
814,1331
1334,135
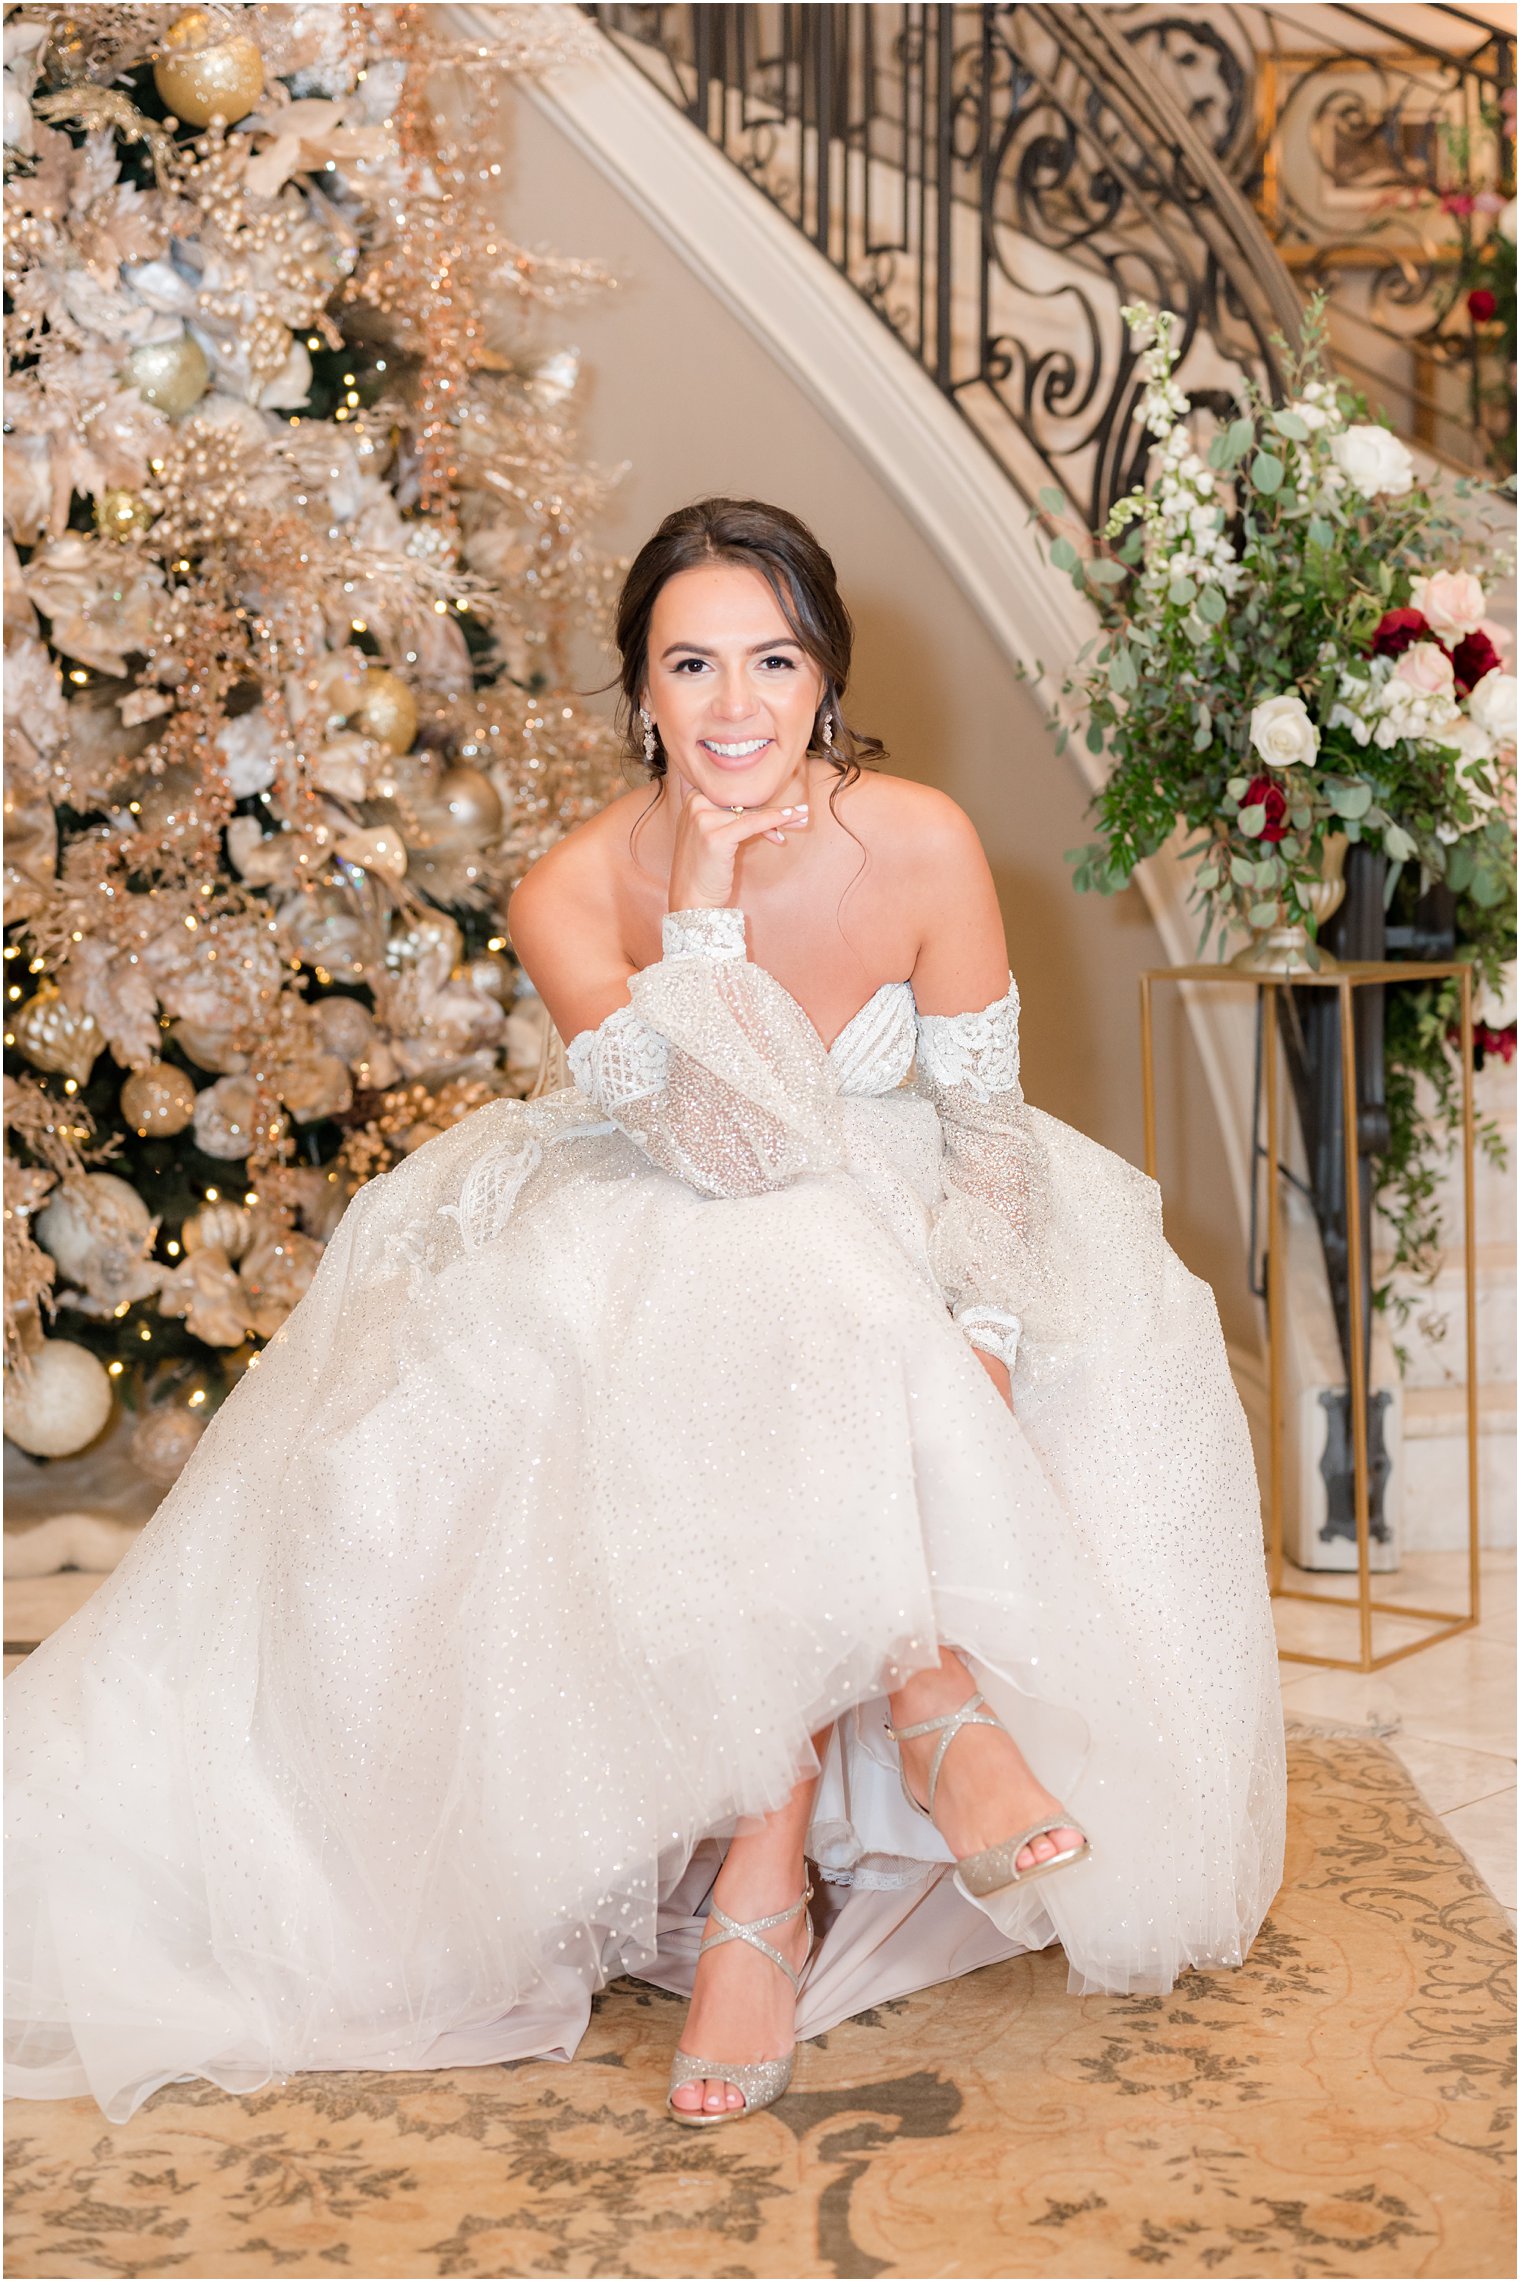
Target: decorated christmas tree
296,542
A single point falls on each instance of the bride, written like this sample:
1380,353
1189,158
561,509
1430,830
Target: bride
771,1516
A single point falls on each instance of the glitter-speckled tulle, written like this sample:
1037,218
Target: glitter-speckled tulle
567,1504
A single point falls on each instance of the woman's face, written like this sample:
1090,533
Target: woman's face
730,688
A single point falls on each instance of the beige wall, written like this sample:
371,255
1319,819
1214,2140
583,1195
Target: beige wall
677,386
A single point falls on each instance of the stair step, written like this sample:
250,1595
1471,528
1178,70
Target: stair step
1437,1411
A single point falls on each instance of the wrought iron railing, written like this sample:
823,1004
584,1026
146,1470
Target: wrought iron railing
996,182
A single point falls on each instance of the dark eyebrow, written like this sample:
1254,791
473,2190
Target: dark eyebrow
755,650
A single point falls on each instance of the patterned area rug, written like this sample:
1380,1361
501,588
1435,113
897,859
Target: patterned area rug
1343,2106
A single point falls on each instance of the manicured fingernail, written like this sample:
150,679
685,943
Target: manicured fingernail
788,811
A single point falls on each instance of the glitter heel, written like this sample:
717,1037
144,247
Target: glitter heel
993,1870
761,2081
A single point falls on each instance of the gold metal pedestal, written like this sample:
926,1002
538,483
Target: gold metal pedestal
1345,980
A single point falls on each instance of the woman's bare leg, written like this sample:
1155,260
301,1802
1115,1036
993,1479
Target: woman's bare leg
741,2007
987,1789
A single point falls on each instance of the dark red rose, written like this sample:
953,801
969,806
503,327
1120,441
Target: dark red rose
1481,304
1396,629
1274,800
1473,657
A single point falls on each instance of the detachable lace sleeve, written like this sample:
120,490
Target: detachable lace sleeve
712,1068
968,1066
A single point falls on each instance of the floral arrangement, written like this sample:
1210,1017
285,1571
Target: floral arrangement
1294,650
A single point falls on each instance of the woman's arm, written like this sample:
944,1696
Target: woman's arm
707,1064
961,971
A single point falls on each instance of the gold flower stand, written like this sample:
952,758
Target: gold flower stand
1345,978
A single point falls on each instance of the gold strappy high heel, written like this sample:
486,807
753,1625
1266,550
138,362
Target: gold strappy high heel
761,2081
994,1868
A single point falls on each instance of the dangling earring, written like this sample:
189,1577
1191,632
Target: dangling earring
827,732
649,736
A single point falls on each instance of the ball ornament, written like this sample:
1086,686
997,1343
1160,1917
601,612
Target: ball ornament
61,1403
386,711
203,74
158,1100
170,375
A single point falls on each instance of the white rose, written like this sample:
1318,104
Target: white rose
1373,461
1504,222
1283,734
1451,603
1312,415
1492,706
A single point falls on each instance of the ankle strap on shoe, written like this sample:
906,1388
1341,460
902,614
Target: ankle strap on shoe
732,1930
951,1724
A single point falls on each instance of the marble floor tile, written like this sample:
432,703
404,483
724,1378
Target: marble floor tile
1449,1777
1485,1831
1461,1692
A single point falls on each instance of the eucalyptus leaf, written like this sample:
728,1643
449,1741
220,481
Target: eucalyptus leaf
1181,591
1290,424
1212,605
1121,674
1063,554
1094,738
1390,883
1242,872
1263,915
1102,572
1321,533
1349,800
1267,471
1239,437
1252,819
1238,787
1053,501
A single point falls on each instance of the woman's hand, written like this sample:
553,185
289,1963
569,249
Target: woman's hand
708,840
997,1372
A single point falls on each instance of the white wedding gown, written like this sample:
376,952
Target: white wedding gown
621,1439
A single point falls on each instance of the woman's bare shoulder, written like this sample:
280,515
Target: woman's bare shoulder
581,867
901,815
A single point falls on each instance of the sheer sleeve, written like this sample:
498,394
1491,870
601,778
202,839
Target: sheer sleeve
712,1068
981,1236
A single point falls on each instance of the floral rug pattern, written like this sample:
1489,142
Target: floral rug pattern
1344,2105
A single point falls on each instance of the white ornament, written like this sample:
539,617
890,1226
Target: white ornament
61,1403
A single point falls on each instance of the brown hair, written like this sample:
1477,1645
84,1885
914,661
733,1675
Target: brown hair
799,573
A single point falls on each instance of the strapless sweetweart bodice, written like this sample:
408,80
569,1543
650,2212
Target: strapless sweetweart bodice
623,1440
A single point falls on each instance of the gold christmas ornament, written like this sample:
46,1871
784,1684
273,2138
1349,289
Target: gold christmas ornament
158,1100
323,927
318,1085
100,1232
61,1403
53,1037
203,75
387,710
472,805
121,514
163,1439
209,1047
170,375
224,1228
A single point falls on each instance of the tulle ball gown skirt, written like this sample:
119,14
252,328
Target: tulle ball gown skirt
567,1505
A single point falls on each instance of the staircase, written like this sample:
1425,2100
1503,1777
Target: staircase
1435,1401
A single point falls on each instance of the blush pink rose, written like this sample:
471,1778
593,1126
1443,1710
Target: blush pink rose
1427,668
1453,603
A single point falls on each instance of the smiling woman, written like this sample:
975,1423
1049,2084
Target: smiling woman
779,1468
